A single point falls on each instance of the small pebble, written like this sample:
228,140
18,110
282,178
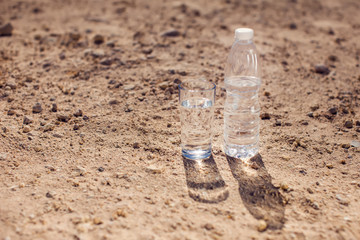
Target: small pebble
11,84
345,145
209,227
147,51
348,124
113,102
97,221
128,109
98,53
106,62
265,116
38,149
6,29
50,194
329,166
293,26
54,107
37,108
171,33
154,169
333,110
333,58
51,168
87,52
136,145
101,169
78,113
322,69
177,81
262,226
29,79
98,39
63,117
310,190
121,213
315,205
27,120
11,112
110,44
277,124
355,143
284,187
112,82
48,127
76,127
285,158
310,114
3,156
26,129
80,170
57,135
129,87
315,107
341,200
62,56
46,65
305,123
163,86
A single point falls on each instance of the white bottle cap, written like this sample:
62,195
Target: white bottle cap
244,33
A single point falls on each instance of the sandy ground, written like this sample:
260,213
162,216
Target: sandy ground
89,121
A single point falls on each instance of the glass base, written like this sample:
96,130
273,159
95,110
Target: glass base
196,154
241,151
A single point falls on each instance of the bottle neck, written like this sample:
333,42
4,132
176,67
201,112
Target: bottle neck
244,42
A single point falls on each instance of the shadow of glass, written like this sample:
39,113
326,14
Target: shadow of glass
204,181
262,199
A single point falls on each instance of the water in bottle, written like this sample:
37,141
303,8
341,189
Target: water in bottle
242,109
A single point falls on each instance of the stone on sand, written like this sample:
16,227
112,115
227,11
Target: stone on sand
6,29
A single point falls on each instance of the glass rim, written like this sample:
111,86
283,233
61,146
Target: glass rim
213,85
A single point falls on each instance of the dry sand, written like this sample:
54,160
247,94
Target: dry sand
104,162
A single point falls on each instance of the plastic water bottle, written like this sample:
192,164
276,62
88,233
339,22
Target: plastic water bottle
242,109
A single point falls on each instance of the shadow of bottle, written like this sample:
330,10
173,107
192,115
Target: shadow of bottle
204,181
262,199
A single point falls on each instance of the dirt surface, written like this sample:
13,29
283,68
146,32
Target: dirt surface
89,121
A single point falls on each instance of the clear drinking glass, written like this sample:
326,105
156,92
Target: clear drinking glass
197,99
